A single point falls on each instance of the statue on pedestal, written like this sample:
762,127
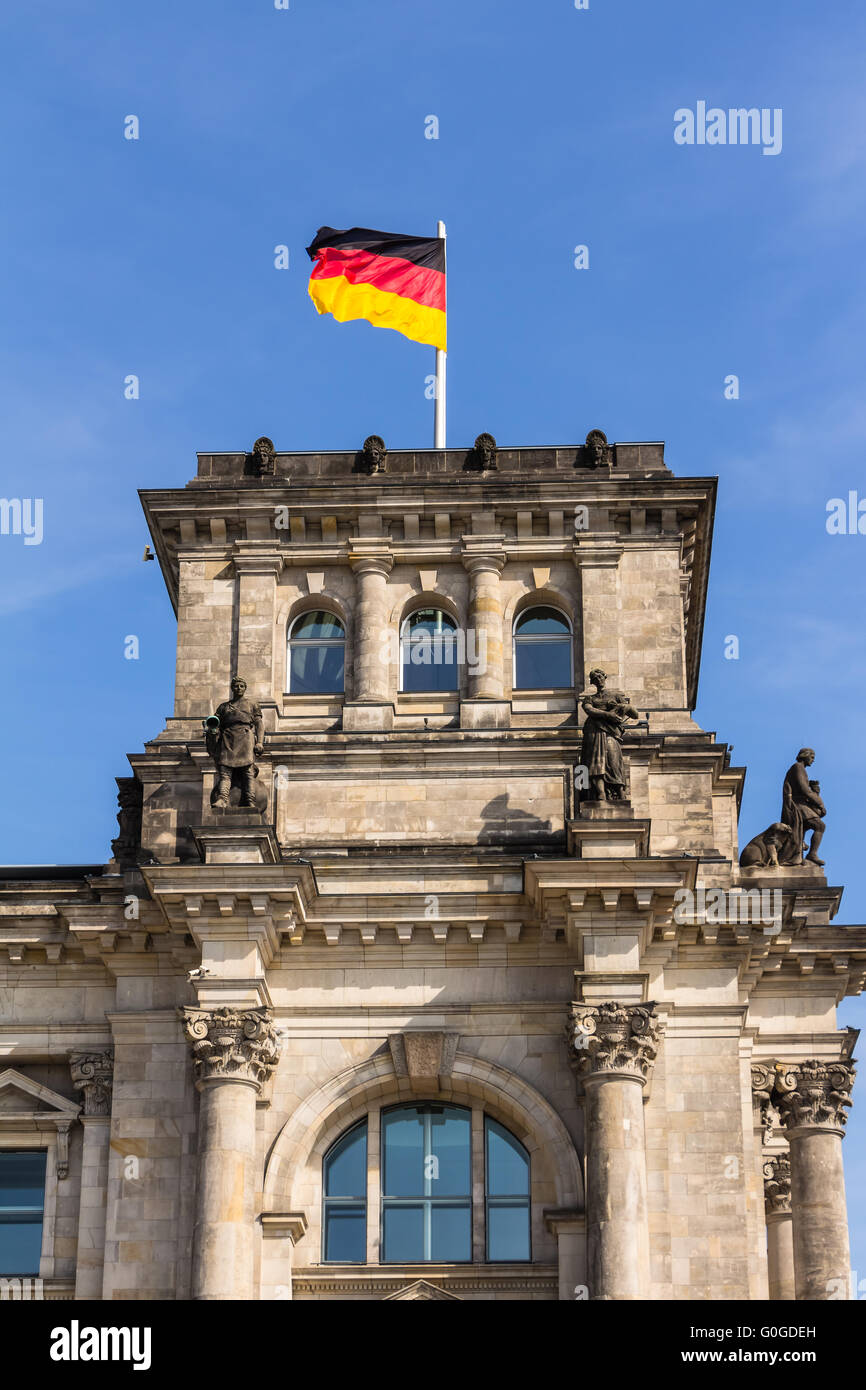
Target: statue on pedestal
802,807
783,844
234,738
607,713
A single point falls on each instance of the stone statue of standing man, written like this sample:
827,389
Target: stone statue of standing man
235,738
802,807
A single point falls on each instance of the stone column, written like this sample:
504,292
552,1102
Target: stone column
812,1097
234,1050
615,1046
484,706
484,638
780,1232
92,1074
374,677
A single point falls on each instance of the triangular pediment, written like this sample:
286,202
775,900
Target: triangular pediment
21,1096
424,1292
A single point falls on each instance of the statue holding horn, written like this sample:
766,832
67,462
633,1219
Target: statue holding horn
235,737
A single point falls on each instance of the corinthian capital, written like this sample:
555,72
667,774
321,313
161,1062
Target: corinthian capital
92,1074
231,1044
814,1094
614,1037
777,1185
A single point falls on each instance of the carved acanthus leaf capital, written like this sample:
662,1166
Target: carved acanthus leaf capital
614,1037
814,1094
232,1044
92,1075
777,1184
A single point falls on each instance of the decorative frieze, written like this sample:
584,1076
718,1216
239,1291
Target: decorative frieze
777,1185
612,1037
232,1044
92,1075
814,1094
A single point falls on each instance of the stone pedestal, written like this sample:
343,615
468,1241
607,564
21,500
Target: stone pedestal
234,1051
607,830
615,1046
812,1097
780,1231
92,1074
485,714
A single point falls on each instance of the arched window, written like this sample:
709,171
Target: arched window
429,652
542,650
425,1170
345,1197
317,649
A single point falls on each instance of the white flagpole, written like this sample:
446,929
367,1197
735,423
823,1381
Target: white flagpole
439,419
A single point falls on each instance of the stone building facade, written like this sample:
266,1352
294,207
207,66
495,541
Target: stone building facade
437,1021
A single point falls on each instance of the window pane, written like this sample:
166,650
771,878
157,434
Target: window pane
540,621
508,1230
430,652
316,670
22,1179
22,1195
346,1165
449,1172
430,620
20,1245
403,1233
507,1163
345,1233
451,1235
320,624
541,665
403,1134
430,666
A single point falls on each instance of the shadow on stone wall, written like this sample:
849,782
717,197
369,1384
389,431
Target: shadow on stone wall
503,822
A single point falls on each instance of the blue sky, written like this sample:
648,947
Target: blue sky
156,257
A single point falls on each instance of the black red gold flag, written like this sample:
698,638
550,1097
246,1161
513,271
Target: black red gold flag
393,281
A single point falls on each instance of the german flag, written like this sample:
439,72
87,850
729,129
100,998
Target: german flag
392,281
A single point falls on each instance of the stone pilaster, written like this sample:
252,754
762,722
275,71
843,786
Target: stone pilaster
258,565
812,1098
92,1075
615,1046
780,1232
234,1050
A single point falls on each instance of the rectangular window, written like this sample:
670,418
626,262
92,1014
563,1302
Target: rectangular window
427,1185
507,1164
22,1199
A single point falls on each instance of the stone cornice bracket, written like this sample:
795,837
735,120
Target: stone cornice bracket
814,1094
763,1081
611,1038
92,1075
231,1044
258,557
777,1185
